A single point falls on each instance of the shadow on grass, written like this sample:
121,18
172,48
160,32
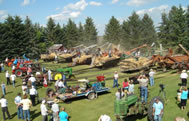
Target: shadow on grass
134,117
34,114
13,115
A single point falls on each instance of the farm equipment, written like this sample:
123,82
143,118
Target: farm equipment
84,88
60,71
21,69
131,105
48,57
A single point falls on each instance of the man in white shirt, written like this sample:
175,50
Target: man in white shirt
184,77
32,79
33,94
49,75
4,107
13,78
55,110
116,76
17,101
26,103
56,84
44,111
60,84
7,75
151,76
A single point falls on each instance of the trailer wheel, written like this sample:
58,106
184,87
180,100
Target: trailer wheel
150,108
91,96
18,72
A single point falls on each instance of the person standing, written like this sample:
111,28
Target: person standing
151,77
26,103
184,97
4,107
143,81
49,75
44,111
56,84
33,94
104,118
184,77
119,94
32,79
17,101
157,110
2,67
45,84
13,78
7,75
55,110
64,79
131,87
3,87
63,115
125,84
116,76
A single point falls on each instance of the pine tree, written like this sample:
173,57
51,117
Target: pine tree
71,34
113,31
81,34
50,32
90,32
148,30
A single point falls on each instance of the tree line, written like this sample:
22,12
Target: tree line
18,37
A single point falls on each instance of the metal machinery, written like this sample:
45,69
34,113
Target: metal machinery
60,71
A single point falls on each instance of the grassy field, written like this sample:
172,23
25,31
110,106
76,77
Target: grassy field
82,109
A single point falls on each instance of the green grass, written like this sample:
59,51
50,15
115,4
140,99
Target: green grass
83,109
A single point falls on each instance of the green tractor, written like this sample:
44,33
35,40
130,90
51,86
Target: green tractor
60,71
131,105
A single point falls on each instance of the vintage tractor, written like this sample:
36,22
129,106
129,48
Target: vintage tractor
21,69
60,71
130,105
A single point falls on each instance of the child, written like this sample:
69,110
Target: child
3,87
131,87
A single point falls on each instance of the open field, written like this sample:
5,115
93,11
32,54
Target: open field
83,109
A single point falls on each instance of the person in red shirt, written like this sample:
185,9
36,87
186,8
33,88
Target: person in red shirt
125,84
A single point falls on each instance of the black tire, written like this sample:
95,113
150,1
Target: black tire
72,77
91,96
150,108
18,72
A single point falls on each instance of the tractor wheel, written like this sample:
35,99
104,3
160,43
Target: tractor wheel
57,76
91,96
150,108
18,73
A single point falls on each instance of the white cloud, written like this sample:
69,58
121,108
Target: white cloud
154,13
139,2
72,10
3,14
25,2
57,8
114,1
95,3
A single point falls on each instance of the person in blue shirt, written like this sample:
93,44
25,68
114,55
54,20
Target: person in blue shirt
3,87
184,97
17,101
157,110
64,79
63,116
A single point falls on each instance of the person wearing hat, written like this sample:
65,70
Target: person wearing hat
157,110
184,77
44,111
33,94
116,76
55,110
32,79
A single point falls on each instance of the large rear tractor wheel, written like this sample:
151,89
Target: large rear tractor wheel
18,72
150,108
57,76
91,96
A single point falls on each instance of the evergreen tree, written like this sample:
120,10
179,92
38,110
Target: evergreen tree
113,31
148,30
71,34
90,32
132,31
81,34
50,32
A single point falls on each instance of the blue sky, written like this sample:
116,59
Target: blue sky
78,10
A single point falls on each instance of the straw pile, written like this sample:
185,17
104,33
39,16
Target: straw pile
67,55
48,56
82,59
131,64
99,61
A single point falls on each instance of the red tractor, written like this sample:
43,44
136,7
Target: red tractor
22,69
